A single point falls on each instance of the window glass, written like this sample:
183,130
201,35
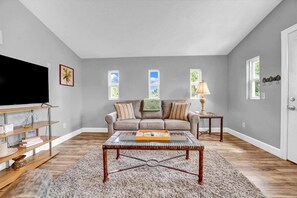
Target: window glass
113,85
154,84
195,78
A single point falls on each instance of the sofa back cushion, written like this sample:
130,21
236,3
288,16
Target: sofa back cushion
179,111
136,107
152,115
124,111
166,107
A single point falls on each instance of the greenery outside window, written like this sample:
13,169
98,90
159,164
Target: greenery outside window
195,78
253,78
154,84
113,85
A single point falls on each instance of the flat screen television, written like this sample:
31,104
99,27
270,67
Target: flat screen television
22,82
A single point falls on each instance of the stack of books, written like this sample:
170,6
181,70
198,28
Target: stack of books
31,141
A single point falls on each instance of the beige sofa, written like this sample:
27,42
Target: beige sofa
151,120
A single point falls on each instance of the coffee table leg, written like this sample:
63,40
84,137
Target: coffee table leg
105,171
187,154
118,154
198,131
221,132
209,125
200,174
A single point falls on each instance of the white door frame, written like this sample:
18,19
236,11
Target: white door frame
285,90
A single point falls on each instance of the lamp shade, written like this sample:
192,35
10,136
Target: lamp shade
203,88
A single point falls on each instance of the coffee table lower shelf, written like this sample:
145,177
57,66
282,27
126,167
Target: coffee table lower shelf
152,163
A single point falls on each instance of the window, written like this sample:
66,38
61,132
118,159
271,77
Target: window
154,84
253,78
195,78
113,85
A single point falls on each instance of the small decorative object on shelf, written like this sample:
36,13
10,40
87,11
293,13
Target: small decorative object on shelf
30,141
3,148
32,133
29,120
6,128
270,79
19,162
5,151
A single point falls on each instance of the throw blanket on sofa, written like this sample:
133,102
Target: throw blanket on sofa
151,105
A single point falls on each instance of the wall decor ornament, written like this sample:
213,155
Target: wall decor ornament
66,75
271,79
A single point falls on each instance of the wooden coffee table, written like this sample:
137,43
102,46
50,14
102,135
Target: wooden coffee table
191,144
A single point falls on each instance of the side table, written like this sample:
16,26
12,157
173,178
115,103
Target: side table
210,116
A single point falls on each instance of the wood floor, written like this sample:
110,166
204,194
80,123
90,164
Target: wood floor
274,176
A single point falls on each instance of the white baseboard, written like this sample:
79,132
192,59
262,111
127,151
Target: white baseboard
94,130
66,137
270,149
213,129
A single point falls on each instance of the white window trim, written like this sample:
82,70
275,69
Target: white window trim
191,83
250,79
149,83
110,84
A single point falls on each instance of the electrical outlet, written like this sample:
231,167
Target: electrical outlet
243,124
262,95
64,125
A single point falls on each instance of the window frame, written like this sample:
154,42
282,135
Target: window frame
251,78
149,83
192,83
110,84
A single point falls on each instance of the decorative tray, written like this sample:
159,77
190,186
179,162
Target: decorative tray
10,151
152,135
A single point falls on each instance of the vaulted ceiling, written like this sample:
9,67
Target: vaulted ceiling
141,28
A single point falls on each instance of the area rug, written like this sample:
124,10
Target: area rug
221,179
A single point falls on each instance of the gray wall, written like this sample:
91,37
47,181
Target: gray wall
175,79
262,117
26,38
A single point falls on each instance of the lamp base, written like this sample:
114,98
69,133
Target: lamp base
202,100
203,112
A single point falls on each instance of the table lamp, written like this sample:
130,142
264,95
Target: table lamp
202,90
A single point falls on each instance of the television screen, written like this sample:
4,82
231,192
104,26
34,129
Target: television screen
22,82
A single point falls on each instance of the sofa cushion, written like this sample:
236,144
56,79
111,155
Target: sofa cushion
136,107
124,111
179,111
166,107
177,124
151,124
127,124
152,115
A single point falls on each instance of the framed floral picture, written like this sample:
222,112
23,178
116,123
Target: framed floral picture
66,75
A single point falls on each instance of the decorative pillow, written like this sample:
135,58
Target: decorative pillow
124,111
179,111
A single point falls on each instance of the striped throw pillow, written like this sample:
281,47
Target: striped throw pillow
179,111
124,111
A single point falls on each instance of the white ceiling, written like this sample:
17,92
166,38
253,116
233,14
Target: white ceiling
141,28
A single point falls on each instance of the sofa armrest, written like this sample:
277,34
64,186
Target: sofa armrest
194,120
110,119
193,117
